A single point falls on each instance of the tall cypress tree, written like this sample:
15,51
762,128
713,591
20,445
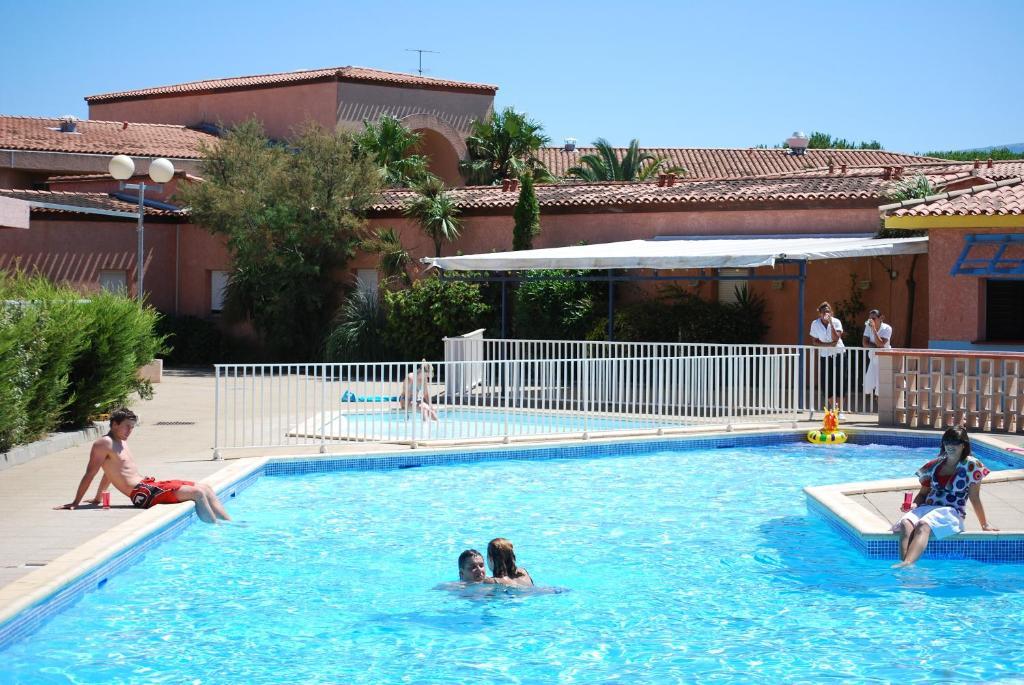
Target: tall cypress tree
527,216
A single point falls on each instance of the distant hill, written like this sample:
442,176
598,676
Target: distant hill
1014,151
1015,147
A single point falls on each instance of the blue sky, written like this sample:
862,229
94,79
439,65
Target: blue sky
914,75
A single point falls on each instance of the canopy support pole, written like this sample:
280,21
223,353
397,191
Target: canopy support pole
611,307
800,324
504,308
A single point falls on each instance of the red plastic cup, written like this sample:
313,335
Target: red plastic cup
908,501
105,500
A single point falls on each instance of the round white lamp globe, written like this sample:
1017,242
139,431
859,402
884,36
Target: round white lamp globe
161,170
121,167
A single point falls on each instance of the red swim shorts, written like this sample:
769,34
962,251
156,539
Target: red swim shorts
151,491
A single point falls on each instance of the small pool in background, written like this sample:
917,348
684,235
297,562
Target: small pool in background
689,565
460,423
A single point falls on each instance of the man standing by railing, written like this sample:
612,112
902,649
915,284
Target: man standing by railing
827,334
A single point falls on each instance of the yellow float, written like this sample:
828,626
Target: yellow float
829,433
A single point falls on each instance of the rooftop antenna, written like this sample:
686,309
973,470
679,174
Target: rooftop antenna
435,52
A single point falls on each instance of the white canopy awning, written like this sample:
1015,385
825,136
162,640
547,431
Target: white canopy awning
685,253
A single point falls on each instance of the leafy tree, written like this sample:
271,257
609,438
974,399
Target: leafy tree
504,146
634,165
389,143
823,141
526,215
971,155
291,216
394,258
434,209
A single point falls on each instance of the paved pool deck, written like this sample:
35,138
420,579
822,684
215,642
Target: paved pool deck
173,440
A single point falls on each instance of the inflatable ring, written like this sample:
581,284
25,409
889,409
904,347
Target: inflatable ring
820,437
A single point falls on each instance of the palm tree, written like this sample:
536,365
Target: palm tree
389,143
434,210
504,146
633,166
394,259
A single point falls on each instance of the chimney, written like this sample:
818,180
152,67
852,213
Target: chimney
842,168
124,125
506,183
670,180
988,164
570,144
899,171
513,185
68,123
886,173
977,164
831,167
662,178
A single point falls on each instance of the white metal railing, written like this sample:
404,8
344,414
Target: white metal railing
282,405
842,377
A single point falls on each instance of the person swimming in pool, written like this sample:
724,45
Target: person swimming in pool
416,391
501,557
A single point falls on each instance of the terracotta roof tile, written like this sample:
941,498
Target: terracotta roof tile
740,162
704,193
937,173
102,137
359,74
84,200
1002,198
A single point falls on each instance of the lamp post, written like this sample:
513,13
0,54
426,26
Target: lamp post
161,171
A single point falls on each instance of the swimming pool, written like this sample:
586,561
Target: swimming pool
681,565
462,423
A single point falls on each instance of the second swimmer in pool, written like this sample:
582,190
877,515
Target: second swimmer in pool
502,560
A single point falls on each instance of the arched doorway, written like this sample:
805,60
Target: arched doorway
441,143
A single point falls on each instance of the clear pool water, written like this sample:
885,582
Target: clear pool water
692,566
463,423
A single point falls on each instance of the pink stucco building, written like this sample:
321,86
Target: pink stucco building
727,192
976,255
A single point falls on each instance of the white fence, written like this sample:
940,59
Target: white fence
531,390
817,379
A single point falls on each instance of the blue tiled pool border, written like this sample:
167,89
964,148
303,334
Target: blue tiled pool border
30,619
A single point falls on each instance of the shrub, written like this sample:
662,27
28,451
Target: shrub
16,370
358,331
65,359
417,318
680,316
554,309
191,341
122,337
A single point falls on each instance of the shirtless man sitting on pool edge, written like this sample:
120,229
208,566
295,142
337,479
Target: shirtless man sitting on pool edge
111,454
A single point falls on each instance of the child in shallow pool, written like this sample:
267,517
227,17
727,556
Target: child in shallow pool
416,391
947,482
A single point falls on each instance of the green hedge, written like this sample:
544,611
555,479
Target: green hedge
417,318
680,316
65,357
